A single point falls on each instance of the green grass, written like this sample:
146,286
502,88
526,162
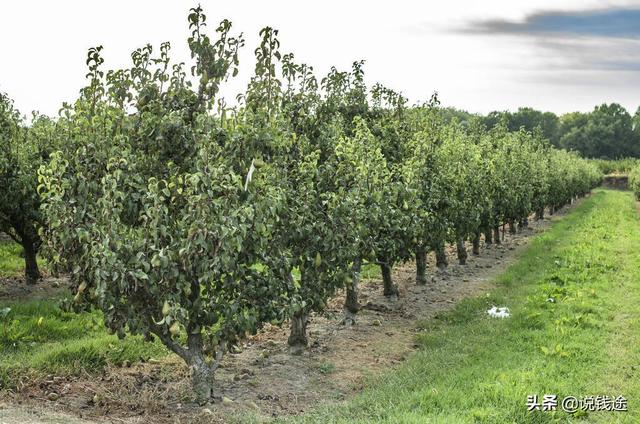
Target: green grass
40,339
11,260
472,368
37,338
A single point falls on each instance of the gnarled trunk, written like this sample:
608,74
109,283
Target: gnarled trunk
523,224
441,257
496,234
476,244
298,335
201,377
200,369
31,270
351,305
462,251
390,288
421,265
488,237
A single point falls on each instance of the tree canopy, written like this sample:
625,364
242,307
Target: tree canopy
607,132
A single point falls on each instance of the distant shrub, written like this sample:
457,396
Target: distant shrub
634,181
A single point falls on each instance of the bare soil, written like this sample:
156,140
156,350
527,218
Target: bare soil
15,288
261,377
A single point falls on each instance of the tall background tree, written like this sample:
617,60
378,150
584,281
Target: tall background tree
606,133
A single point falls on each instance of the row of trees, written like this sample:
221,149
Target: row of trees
634,181
195,223
619,166
607,132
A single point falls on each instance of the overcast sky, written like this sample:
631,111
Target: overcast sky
558,55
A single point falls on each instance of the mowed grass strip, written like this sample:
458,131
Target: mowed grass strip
574,297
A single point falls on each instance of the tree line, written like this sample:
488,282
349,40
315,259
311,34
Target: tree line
607,132
193,222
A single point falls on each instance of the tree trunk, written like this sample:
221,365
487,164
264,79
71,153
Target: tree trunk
462,251
488,237
476,244
496,234
552,209
390,289
421,265
523,224
441,257
298,335
31,271
351,305
201,377
201,371
540,214
512,227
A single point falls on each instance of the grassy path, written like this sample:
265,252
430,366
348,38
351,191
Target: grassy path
574,296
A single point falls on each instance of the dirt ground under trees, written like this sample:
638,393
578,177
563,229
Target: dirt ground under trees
261,377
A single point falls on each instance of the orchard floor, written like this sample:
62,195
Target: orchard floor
262,380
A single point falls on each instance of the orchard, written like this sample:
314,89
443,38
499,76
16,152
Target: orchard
189,221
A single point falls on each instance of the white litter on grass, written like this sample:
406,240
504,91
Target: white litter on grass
502,312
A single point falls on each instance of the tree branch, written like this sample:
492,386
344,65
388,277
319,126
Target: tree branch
168,342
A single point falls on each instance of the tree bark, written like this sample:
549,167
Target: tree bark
202,380
421,266
201,377
390,288
540,214
523,224
31,270
351,304
512,227
462,251
441,257
496,234
298,335
488,237
201,371
476,244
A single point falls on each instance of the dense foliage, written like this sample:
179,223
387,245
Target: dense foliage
195,223
634,181
607,132
23,149
620,166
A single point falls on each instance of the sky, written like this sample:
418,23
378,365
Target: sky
557,55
